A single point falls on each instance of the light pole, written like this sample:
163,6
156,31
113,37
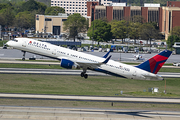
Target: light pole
150,44
9,34
94,17
120,53
172,38
94,14
0,31
93,28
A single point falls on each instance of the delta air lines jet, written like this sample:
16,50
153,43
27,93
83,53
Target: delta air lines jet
73,59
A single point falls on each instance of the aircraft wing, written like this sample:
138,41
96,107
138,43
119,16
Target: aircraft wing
93,65
87,64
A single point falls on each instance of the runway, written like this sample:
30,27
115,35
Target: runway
56,113
68,72
92,98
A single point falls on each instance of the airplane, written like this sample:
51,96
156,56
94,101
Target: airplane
138,57
73,59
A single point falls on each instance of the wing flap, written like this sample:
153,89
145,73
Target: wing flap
88,64
93,65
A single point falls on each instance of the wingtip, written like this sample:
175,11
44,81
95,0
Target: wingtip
106,55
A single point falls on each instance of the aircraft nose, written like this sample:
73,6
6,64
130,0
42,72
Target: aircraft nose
9,43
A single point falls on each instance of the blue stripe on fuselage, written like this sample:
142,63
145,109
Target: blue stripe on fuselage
107,72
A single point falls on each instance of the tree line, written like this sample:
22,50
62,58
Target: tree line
103,31
134,28
174,37
21,14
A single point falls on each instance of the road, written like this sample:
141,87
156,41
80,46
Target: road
17,54
56,113
68,72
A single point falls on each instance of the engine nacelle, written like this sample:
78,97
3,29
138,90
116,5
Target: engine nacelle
68,64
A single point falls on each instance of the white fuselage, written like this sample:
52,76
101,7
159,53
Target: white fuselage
57,52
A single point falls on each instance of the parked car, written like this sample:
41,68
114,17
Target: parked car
30,35
95,48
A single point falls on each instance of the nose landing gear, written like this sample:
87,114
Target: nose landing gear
24,53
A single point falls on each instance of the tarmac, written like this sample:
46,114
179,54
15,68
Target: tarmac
50,113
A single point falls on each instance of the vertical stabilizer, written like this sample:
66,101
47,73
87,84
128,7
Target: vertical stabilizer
154,64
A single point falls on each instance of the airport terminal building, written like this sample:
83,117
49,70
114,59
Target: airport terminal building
47,24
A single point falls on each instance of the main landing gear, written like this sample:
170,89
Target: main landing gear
24,53
83,74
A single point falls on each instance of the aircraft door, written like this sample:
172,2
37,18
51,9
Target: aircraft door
54,52
134,73
24,44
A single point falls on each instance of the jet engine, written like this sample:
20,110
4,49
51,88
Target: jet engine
69,64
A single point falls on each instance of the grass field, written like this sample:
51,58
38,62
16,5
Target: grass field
94,85
2,43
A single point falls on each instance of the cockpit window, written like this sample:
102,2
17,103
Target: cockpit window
15,40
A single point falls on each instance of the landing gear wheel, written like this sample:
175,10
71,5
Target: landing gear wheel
24,53
85,76
82,74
